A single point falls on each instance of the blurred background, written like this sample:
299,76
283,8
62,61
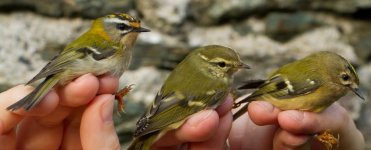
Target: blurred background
267,34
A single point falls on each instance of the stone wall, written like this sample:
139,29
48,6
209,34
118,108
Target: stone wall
267,34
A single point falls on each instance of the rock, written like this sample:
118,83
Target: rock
338,6
161,56
24,36
51,8
364,73
321,39
290,4
284,26
160,50
364,121
165,15
97,8
342,6
56,8
362,44
4,87
242,28
363,3
147,81
208,12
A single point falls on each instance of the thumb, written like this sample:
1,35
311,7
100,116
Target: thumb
97,128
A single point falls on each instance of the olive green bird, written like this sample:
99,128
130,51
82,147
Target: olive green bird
310,84
105,48
201,81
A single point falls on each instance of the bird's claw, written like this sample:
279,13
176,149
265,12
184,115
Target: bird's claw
328,139
119,97
236,105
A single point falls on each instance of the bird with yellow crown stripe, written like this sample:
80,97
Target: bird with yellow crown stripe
310,84
105,48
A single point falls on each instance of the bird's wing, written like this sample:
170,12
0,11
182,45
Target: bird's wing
252,84
61,61
281,87
173,108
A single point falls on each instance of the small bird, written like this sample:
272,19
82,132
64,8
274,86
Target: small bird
105,48
201,81
310,84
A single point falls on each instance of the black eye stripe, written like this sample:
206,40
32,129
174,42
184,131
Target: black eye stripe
122,26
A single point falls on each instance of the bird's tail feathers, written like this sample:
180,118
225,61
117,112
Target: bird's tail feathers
142,143
35,96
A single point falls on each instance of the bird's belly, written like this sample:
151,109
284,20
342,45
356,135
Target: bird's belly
84,66
314,102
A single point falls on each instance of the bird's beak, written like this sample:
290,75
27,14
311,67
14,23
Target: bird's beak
140,29
244,66
357,92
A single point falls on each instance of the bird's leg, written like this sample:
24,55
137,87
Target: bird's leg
236,105
327,139
234,94
119,96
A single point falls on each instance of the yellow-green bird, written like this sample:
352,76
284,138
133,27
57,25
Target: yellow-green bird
105,48
310,84
201,81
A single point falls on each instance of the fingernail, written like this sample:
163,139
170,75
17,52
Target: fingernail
266,106
295,115
106,110
195,120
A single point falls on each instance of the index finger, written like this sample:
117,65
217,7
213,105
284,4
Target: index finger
302,122
263,113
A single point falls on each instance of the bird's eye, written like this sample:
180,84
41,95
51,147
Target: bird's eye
345,77
221,64
122,26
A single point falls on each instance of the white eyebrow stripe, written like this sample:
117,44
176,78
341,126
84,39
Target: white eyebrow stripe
218,59
116,20
203,56
95,51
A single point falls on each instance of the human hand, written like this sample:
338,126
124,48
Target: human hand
76,116
207,129
267,127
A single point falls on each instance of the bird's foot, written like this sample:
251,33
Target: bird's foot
328,139
119,96
236,105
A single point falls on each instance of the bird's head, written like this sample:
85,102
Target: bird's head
219,60
118,26
341,71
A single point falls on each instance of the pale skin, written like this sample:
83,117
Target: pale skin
291,129
78,116
67,117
